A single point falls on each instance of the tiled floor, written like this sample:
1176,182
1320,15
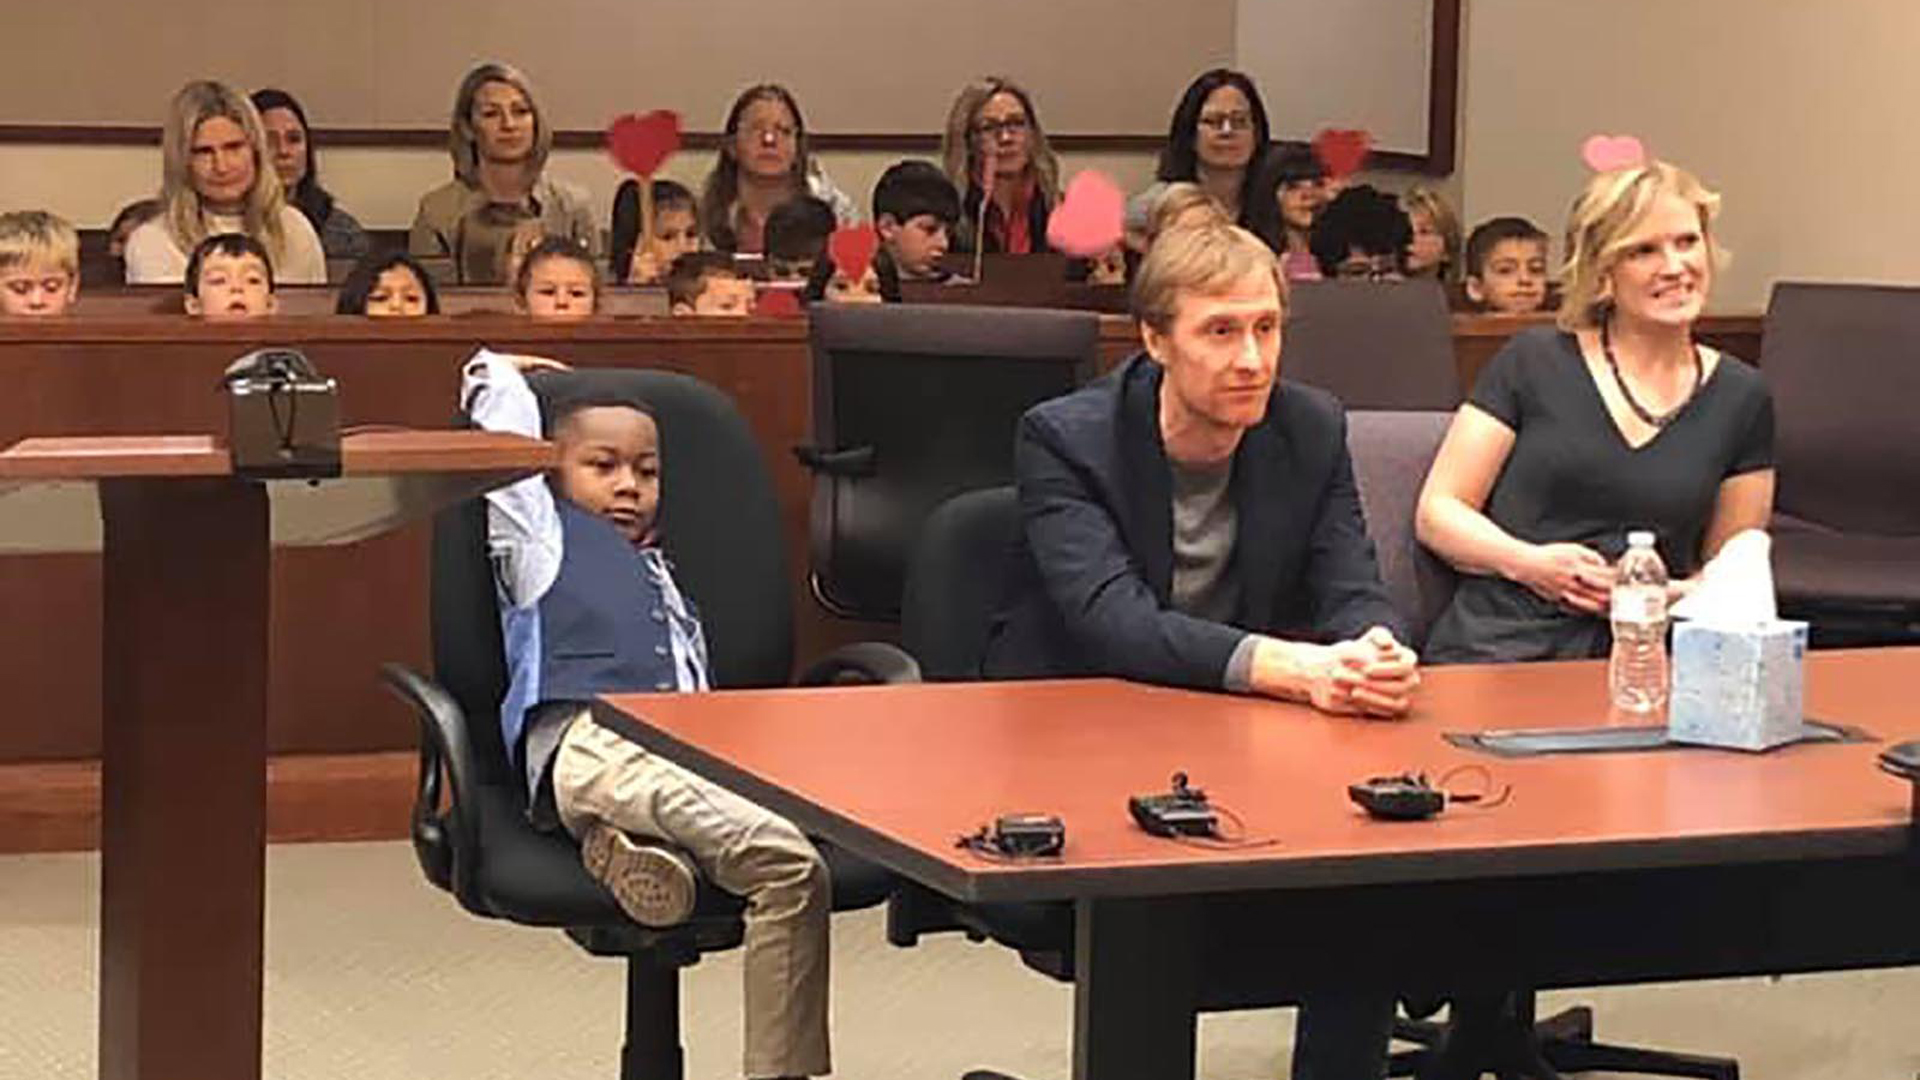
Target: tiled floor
374,976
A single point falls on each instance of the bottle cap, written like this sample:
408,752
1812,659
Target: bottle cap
1640,538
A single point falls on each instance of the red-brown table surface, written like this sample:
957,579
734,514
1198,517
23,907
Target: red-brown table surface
1599,868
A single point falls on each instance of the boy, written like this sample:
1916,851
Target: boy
1507,266
676,229
589,605
229,277
1362,235
915,208
708,283
796,237
39,265
557,280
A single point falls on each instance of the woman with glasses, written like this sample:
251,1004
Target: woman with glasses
1216,140
996,152
763,163
500,195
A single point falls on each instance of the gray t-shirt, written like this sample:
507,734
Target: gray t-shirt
1206,525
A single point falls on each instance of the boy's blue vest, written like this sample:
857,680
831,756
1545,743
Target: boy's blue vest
601,628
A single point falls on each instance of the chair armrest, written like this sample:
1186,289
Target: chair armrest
862,662
446,841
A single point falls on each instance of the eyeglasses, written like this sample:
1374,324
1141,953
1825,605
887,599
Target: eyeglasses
1369,268
1226,123
993,129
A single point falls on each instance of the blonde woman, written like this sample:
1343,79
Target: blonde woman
499,140
1614,420
216,177
1435,251
996,152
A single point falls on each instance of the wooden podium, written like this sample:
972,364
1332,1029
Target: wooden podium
186,548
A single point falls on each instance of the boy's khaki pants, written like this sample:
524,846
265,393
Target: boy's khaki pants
742,848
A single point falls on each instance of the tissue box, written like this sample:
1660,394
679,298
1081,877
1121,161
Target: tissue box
1737,685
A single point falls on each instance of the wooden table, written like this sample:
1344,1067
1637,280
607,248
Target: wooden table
184,687
1599,869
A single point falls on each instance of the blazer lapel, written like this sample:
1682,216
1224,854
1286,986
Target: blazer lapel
1263,496
1147,486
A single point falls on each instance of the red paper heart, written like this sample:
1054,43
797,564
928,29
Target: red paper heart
852,250
641,143
1605,153
777,302
1089,220
1342,151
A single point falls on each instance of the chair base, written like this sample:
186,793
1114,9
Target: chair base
652,1049
1513,1046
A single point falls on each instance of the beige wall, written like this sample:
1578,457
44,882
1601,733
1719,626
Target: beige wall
1799,113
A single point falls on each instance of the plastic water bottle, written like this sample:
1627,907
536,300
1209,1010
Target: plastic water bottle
1637,672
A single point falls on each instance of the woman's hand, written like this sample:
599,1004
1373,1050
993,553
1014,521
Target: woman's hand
1572,575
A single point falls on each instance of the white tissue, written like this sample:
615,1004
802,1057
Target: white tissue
1736,585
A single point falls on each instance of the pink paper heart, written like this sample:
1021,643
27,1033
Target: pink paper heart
852,250
642,143
1342,151
1605,153
1090,218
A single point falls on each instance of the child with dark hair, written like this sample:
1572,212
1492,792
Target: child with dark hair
131,216
558,279
389,285
1507,266
1362,235
708,283
915,210
1292,193
589,605
229,276
797,232
638,260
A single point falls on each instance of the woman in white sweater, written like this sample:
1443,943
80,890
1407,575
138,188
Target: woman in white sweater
215,180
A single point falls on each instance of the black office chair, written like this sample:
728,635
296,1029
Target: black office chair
913,404
470,830
1846,547
1392,453
1375,345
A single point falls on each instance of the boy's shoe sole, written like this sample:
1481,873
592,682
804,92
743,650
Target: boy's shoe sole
654,885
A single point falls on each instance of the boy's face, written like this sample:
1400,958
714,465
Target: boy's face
396,293
610,466
232,287
723,294
1514,279
35,289
559,289
675,233
917,244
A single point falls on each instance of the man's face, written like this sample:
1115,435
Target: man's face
222,164
559,288
35,289
232,287
917,244
610,466
1514,279
1222,352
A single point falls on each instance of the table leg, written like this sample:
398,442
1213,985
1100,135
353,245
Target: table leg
183,816
1134,991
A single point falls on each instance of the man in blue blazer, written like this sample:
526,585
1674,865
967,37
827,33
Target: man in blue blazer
1191,520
